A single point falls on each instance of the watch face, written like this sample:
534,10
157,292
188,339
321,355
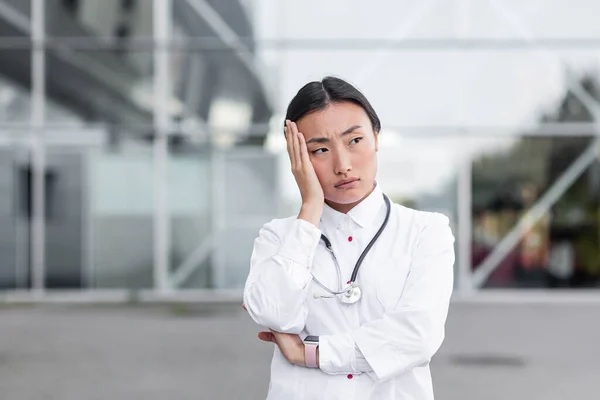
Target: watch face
311,338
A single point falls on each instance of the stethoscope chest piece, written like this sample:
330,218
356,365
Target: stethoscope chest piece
351,296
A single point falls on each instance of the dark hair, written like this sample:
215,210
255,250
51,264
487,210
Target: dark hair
315,96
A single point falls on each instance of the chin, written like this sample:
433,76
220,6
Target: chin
348,196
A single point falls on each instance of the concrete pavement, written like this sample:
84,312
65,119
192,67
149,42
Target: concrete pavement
492,352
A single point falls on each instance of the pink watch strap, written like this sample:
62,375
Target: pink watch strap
310,354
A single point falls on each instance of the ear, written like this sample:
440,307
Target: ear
376,140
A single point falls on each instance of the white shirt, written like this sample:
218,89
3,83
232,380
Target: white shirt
380,347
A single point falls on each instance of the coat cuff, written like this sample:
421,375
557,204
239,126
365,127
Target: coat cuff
337,354
381,358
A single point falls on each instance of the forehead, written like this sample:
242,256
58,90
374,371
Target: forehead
333,119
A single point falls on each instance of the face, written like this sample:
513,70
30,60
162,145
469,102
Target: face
343,151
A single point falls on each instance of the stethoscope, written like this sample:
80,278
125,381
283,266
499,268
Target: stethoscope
352,293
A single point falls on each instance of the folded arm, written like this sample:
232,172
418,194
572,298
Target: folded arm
277,285
411,334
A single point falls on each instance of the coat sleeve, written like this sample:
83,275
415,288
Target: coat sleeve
411,334
277,284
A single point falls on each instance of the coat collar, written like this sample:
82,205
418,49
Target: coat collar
364,213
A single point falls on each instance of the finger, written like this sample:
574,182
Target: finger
303,150
292,150
296,145
244,307
266,337
290,143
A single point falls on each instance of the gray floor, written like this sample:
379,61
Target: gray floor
207,352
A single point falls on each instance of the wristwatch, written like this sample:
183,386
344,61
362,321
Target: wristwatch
310,351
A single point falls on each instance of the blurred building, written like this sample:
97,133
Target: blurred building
507,184
99,134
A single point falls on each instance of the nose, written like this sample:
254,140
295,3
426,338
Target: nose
342,163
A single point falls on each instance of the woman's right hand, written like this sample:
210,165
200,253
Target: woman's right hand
304,173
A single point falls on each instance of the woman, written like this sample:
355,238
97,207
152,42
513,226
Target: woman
374,340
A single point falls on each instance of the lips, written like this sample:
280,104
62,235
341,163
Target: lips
347,183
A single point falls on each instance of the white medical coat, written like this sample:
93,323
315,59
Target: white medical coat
380,347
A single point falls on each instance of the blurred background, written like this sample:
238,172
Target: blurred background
141,150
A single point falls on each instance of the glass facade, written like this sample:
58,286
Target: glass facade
555,247
141,143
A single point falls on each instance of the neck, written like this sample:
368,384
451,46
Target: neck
345,208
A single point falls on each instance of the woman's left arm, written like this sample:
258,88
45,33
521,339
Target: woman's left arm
412,333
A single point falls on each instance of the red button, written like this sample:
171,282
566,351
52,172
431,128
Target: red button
347,283
349,238
350,376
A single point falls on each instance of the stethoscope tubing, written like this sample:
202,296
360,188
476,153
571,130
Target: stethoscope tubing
360,259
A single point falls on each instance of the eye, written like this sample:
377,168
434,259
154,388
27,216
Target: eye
319,151
355,140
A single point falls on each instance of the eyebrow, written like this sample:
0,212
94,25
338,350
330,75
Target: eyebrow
325,140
